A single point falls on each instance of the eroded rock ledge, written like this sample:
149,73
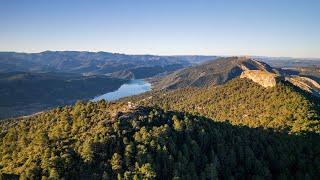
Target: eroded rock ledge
265,79
268,79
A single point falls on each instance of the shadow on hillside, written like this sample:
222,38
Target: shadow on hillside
243,152
184,145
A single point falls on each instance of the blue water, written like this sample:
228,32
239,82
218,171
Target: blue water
133,87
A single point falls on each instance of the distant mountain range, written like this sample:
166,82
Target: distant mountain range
83,62
94,62
288,62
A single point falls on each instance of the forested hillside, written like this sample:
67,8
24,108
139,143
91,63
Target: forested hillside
241,101
96,141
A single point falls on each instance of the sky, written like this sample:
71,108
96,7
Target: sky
289,28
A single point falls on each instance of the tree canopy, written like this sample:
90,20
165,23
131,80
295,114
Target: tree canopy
95,140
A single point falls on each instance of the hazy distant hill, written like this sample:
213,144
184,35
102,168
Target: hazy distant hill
93,62
291,62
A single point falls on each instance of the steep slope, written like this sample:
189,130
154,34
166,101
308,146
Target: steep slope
96,141
242,101
215,72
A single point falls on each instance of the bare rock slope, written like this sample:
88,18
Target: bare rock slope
268,79
264,78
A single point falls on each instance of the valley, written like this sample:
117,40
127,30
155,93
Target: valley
33,82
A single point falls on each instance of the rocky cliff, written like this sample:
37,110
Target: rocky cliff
264,78
268,79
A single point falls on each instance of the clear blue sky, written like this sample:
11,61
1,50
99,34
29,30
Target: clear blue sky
225,27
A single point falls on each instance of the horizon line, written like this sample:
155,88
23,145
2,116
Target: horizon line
154,54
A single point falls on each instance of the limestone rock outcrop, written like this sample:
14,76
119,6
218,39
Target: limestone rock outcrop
264,78
268,79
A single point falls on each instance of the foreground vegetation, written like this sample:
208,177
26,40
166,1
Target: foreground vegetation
94,140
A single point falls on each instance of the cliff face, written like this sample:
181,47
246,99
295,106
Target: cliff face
265,79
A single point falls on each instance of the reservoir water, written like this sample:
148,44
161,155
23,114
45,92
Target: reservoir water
133,87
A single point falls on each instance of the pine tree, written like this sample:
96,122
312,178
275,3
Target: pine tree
116,163
177,125
147,172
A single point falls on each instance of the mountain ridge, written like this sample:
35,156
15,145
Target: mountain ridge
217,71
221,70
